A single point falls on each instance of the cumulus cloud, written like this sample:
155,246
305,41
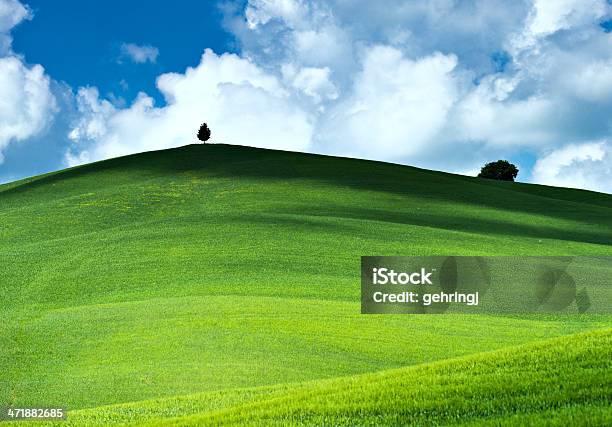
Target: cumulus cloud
26,102
589,80
489,114
139,54
395,108
241,103
548,17
312,82
12,12
329,33
27,105
260,12
586,165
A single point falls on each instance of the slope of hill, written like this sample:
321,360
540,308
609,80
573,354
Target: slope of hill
564,379
211,268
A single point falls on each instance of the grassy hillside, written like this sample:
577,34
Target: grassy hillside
529,383
211,268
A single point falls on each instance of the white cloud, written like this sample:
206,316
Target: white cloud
590,81
328,33
548,17
328,46
586,165
487,114
241,103
139,54
94,115
260,12
396,106
26,103
313,82
12,12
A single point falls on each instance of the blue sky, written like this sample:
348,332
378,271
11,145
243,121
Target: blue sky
442,84
79,42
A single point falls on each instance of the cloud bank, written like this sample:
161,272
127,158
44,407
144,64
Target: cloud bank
577,166
27,105
240,102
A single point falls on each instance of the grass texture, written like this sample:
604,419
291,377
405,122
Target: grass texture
233,273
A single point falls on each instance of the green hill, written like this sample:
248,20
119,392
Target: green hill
564,380
212,268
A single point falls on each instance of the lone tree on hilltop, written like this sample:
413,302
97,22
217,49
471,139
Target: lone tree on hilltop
501,170
204,133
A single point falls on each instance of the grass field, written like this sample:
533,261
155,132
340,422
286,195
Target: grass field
221,283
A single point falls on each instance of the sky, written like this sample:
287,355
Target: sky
440,84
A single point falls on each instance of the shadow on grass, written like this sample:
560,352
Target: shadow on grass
254,163
463,223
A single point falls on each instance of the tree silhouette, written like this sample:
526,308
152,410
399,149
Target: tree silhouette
501,170
204,133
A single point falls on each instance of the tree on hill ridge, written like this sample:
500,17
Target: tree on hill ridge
501,170
204,133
